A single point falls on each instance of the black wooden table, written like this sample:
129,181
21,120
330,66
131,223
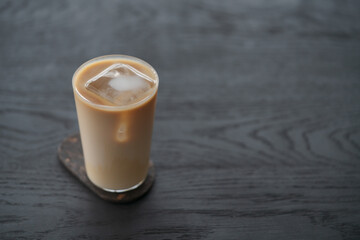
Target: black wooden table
257,129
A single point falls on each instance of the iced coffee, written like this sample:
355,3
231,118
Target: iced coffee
115,98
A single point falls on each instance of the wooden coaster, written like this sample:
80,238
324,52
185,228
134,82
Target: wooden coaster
71,155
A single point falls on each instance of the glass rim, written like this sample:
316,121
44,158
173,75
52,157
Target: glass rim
116,108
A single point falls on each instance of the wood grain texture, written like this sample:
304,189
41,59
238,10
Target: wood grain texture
257,129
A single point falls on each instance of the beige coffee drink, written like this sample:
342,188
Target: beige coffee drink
115,98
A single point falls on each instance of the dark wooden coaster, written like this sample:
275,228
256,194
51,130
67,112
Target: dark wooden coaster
71,155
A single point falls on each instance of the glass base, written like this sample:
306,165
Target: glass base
119,190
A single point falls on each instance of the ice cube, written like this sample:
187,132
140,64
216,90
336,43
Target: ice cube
120,84
122,133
